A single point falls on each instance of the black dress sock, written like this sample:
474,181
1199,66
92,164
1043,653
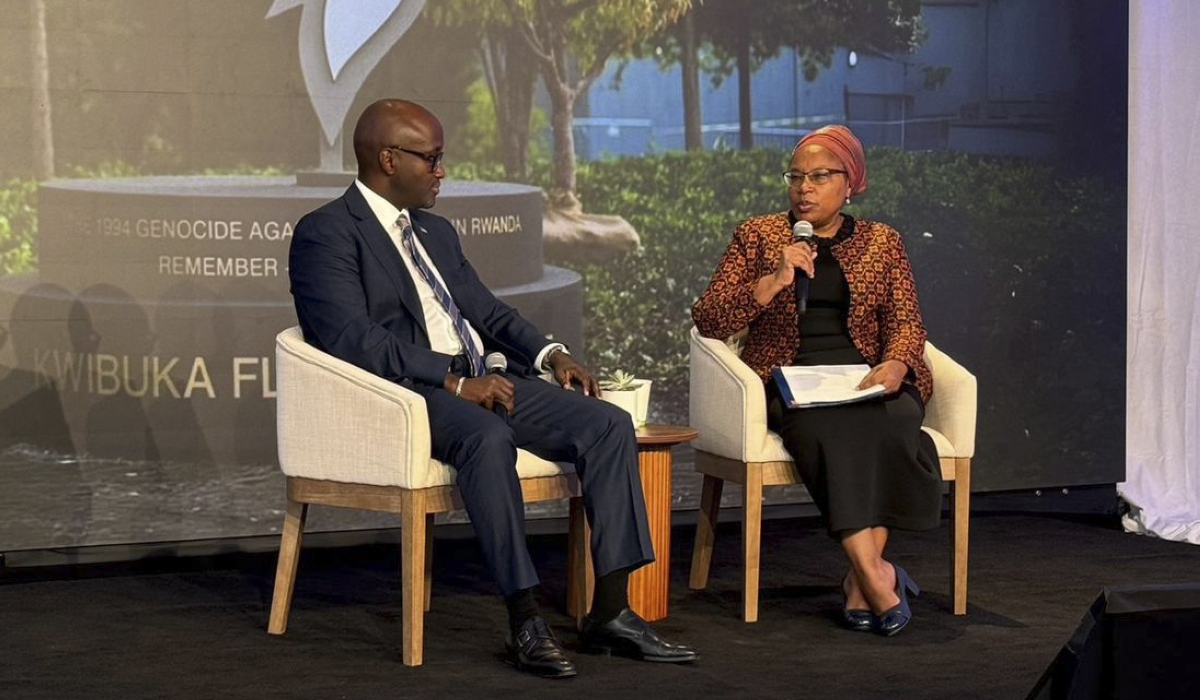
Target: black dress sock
611,596
522,605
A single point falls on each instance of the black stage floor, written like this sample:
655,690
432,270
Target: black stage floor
195,627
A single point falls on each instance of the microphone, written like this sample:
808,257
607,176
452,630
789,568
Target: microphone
496,363
802,231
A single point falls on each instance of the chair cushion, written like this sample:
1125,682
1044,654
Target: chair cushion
529,466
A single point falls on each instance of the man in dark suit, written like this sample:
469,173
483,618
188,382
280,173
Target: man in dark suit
384,285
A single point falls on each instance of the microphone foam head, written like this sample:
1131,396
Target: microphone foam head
495,362
802,230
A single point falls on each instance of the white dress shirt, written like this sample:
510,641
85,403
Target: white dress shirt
443,337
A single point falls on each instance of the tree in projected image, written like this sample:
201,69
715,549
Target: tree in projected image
568,42
723,37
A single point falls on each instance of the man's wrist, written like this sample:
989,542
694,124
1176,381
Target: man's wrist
548,352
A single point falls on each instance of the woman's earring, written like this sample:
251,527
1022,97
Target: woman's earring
847,199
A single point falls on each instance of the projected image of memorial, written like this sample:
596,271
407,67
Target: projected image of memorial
158,155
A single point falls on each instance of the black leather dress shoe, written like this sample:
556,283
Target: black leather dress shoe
629,635
532,648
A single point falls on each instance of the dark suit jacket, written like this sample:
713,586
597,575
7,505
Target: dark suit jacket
355,299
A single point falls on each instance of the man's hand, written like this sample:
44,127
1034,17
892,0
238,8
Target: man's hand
488,391
889,374
567,370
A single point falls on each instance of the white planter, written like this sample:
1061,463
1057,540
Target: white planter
636,402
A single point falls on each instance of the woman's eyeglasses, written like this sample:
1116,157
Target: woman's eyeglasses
816,177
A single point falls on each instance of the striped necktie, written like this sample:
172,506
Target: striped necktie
473,351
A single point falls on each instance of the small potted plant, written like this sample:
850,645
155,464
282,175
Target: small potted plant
630,393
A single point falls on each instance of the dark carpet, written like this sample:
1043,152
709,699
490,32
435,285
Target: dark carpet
194,627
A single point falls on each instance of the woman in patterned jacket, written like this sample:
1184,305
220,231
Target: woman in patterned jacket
867,465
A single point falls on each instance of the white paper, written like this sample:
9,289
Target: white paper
824,385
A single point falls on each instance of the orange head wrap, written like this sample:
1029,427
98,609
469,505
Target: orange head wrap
842,142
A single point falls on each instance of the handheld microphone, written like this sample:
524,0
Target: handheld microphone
496,363
802,232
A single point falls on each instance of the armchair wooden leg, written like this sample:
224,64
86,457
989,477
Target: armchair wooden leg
285,570
428,561
960,520
751,541
706,531
580,574
412,561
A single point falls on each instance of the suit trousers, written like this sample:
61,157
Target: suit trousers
558,425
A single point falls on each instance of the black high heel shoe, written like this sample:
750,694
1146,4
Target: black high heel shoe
895,618
855,620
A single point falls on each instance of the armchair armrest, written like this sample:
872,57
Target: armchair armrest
341,423
951,411
727,403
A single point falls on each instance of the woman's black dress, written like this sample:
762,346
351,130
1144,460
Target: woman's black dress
865,464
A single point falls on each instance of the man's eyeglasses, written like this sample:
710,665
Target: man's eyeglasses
434,159
816,177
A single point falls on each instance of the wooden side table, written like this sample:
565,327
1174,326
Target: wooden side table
649,586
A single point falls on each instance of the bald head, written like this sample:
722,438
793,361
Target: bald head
386,123
397,144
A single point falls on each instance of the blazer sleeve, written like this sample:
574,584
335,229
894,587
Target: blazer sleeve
728,304
903,328
326,269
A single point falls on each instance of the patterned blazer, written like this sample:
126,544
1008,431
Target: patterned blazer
884,321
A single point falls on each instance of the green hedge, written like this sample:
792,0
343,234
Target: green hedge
684,206
18,226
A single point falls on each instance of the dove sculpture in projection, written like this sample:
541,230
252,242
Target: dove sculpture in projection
341,41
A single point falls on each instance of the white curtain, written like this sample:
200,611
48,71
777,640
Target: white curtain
1162,415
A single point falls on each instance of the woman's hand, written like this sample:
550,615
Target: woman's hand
889,373
795,256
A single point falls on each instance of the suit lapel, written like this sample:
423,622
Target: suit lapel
381,245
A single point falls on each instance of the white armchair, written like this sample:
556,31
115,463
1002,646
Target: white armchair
728,408
351,439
